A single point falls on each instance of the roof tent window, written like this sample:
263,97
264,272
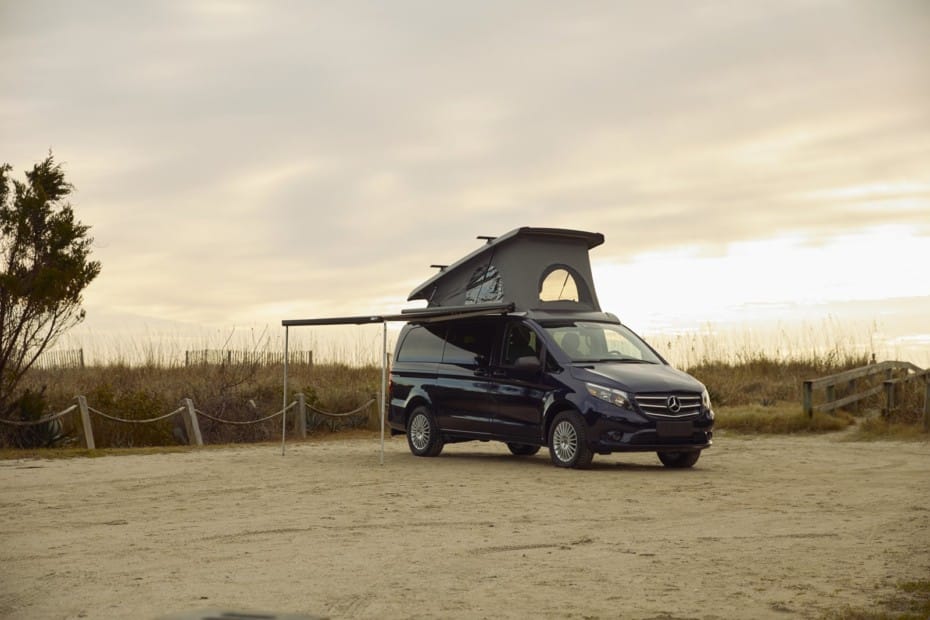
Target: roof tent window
485,286
558,285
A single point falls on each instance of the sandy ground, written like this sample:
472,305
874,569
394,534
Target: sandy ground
764,527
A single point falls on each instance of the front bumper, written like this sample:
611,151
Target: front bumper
634,432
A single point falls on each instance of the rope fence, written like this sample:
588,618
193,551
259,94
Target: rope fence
43,420
125,421
341,415
246,422
189,415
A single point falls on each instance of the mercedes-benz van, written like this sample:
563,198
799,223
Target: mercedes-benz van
580,385
513,346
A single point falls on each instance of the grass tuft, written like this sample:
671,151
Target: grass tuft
782,418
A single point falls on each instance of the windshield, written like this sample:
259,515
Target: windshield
600,342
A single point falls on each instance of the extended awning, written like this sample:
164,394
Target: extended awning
410,315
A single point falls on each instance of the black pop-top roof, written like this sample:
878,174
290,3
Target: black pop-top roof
527,269
531,268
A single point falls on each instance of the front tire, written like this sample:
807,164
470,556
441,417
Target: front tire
679,460
568,441
423,436
522,449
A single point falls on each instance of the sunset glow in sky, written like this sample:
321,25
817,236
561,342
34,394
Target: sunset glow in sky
241,163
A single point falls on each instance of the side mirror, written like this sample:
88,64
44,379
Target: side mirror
528,363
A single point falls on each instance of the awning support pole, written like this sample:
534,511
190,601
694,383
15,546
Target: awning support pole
284,401
383,383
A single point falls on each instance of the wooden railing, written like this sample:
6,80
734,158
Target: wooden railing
894,373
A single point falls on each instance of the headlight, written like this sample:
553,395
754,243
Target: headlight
705,400
614,397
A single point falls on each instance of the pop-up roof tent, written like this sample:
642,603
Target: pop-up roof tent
531,270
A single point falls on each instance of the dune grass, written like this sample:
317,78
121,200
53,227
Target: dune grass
752,392
781,418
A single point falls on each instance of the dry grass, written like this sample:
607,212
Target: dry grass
751,392
781,418
760,394
228,392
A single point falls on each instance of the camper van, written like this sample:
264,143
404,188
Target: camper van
514,347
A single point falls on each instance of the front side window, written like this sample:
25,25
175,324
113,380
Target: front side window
600,342
521,341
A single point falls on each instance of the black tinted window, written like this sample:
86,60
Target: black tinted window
520,342
467,342
422,344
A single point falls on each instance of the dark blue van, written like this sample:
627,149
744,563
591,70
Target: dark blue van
513,347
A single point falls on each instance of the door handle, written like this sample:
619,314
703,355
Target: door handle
498,373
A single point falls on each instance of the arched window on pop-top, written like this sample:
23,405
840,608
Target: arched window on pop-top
559,285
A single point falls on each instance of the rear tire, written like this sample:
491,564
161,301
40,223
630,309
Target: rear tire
679,460
568,441
423,436
522,449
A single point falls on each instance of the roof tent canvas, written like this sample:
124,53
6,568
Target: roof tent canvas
531,268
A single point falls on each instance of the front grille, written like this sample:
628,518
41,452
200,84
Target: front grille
658,405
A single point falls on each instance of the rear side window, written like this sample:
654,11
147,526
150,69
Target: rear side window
422,344
468,344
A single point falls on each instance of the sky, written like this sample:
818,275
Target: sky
241,163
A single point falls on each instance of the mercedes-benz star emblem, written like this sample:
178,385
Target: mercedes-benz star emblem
673,404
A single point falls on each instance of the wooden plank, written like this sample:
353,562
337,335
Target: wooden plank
849,399
919,375
856,373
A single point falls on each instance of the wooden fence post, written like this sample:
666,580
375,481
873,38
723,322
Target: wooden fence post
808,399
85,424
831,396
852,390
927,402
889,397
301,421
194,437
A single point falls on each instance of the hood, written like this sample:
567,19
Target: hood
637,378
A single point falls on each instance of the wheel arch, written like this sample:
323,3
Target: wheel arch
552,411
416,400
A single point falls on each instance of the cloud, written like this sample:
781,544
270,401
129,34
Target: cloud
234,156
